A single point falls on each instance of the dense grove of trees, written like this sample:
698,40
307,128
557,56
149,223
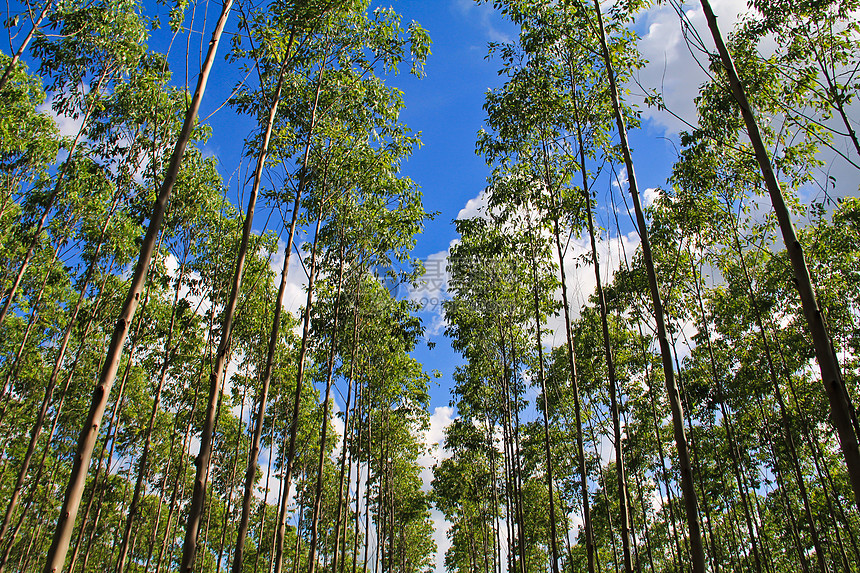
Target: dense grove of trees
699,414
161,409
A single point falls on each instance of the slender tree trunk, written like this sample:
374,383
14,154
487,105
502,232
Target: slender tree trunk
261,535
60,544
506,461
110,436
697,551
180,473
324,430
346,434
841,409
369,455
344,500
294,429
297,553
229,508
727,420
357,460
542,378
14,61
254,449
143,463
518,486
517,531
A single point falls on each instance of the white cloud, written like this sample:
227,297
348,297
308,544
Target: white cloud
433,286
476,207
483,16
580,279
68,126
621,180
675,69
432,291
441,418
440,536
650,196
295,295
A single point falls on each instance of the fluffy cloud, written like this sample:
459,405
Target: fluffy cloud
675,68
579,275
476,207
68,126
434,440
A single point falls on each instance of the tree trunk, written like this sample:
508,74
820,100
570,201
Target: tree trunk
348,419
14,61
60,543
254,449
727,420
542,377
697,551
112,430
841,409
294,429
143,463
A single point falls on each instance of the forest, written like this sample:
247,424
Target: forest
164,408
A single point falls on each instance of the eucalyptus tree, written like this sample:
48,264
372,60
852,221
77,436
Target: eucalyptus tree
34,29
350,46
487,315
97,47
102,218
462,486
372,197
842,412
697,551
514,197
220,364
525,155
30,140
270,54
397,394
62,535
816,59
